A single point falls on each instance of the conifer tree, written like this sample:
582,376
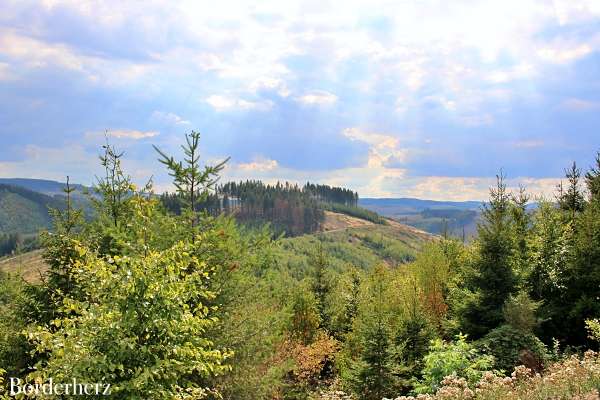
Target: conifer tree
320,284
592,180
492,279
192,183
372,373
572,200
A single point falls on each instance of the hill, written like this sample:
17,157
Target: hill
347,240
25,211
454,218
47,187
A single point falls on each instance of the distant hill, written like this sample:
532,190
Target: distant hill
438,217
25,211
44,186
406,205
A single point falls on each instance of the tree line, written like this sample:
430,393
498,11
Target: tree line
289,208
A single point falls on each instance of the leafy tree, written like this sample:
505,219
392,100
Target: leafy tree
141,327
305,319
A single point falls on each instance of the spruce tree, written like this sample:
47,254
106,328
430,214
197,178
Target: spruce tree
491,280
192,183
320,284
592,180
372,377
571,200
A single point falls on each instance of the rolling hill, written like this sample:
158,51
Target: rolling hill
25,211
44,186
438,217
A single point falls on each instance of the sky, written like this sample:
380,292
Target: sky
427,99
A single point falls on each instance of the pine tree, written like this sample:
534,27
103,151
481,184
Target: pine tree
492,279
192,183
320,284
592,180
372,377
572,200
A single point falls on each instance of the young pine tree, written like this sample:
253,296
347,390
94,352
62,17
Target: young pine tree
592,180
372,375
192,183
492,279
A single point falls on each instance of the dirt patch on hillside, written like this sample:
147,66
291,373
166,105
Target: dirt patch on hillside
335,221
31,266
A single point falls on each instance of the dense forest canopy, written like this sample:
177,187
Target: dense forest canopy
193,305
289,208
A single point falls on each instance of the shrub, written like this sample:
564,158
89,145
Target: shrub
459,359
572,378
508,344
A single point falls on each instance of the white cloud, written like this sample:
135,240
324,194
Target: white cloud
318,98
259,165
170,118
564,53
383,149
226,103
131,134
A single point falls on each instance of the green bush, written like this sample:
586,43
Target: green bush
458,358
505,344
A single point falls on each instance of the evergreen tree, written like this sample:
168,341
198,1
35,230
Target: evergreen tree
320,284
571,200
492,279
372,375
193,183
592,180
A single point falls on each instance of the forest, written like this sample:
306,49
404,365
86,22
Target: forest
289,209
174,297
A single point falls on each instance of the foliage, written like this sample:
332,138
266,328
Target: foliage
593,327
508,344
492,279
370,372
305,319
459,359
13,345
520,312
572,378
192,183
141,326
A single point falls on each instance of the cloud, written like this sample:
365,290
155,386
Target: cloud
384,150
170,118
564,53
225,103
318,98
122,134
132,134
465,188
259,165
